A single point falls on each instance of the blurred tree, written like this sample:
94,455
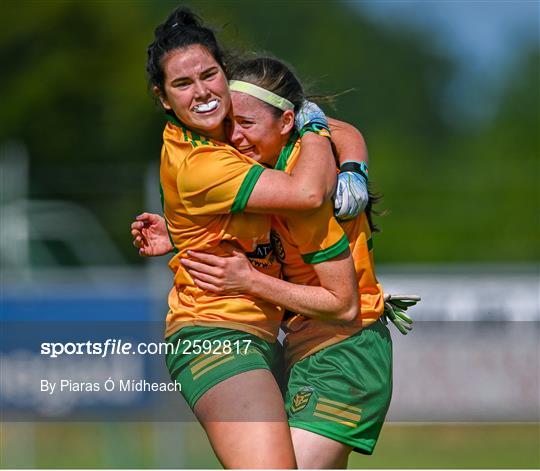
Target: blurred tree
77,97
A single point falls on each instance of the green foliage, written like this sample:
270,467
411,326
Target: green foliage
75,94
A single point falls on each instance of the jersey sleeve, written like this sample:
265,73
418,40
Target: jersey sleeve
217,181
318,235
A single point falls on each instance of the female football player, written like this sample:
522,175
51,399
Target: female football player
213,194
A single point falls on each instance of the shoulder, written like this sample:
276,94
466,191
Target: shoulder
214,166
218,156
179,143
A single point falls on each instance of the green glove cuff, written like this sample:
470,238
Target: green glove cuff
353,166
316,128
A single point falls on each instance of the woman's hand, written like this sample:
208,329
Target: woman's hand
311,118
149,232
222,275
351,196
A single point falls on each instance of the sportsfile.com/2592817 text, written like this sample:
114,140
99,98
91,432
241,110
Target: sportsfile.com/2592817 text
121,347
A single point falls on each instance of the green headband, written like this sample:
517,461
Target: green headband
262,94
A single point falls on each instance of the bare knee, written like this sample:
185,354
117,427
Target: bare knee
315,451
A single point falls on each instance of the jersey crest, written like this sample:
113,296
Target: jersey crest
301,399
277,246
262,256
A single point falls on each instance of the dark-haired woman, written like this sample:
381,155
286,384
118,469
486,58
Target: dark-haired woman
340,381
208,190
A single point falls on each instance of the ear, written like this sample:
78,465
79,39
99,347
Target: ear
287,122
161,97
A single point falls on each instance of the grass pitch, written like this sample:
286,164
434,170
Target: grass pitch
168,445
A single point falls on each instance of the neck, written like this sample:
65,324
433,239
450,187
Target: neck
217,134
272,162
284,141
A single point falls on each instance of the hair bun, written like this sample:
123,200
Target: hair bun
183,16
181,29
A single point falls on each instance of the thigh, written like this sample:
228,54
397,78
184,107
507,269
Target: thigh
314,451
245,420
234,395
202,357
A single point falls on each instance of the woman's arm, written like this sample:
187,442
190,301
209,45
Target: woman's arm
335,300
309,185
352,195
348,143
313,179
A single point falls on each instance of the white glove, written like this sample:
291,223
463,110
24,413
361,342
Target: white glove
351,195
311,118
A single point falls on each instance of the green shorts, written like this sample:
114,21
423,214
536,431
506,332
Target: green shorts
343,391
205,356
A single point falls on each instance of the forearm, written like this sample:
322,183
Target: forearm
336,298
315,302
310,184
347,142
315,172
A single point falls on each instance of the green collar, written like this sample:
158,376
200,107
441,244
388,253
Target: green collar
194,138
286,152
173,120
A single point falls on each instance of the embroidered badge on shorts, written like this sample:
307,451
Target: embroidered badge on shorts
301,399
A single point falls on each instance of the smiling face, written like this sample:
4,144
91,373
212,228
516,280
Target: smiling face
256,131
196,89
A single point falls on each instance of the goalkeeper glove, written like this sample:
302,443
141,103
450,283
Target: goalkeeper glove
310,118
395,307
352,195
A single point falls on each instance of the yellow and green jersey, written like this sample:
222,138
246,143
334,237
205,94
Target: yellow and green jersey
205,186
301,241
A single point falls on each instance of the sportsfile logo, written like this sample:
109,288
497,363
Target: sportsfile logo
108,347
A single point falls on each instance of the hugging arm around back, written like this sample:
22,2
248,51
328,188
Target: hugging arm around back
313,180
348,143
309,185
330,293
335,299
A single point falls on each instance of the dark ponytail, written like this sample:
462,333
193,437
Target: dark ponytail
181,29
374,198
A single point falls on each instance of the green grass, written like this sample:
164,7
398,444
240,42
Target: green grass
454,446
167,445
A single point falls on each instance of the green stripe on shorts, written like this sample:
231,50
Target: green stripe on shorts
205,356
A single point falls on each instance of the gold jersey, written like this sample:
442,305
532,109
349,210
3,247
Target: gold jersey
306,336
205,186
